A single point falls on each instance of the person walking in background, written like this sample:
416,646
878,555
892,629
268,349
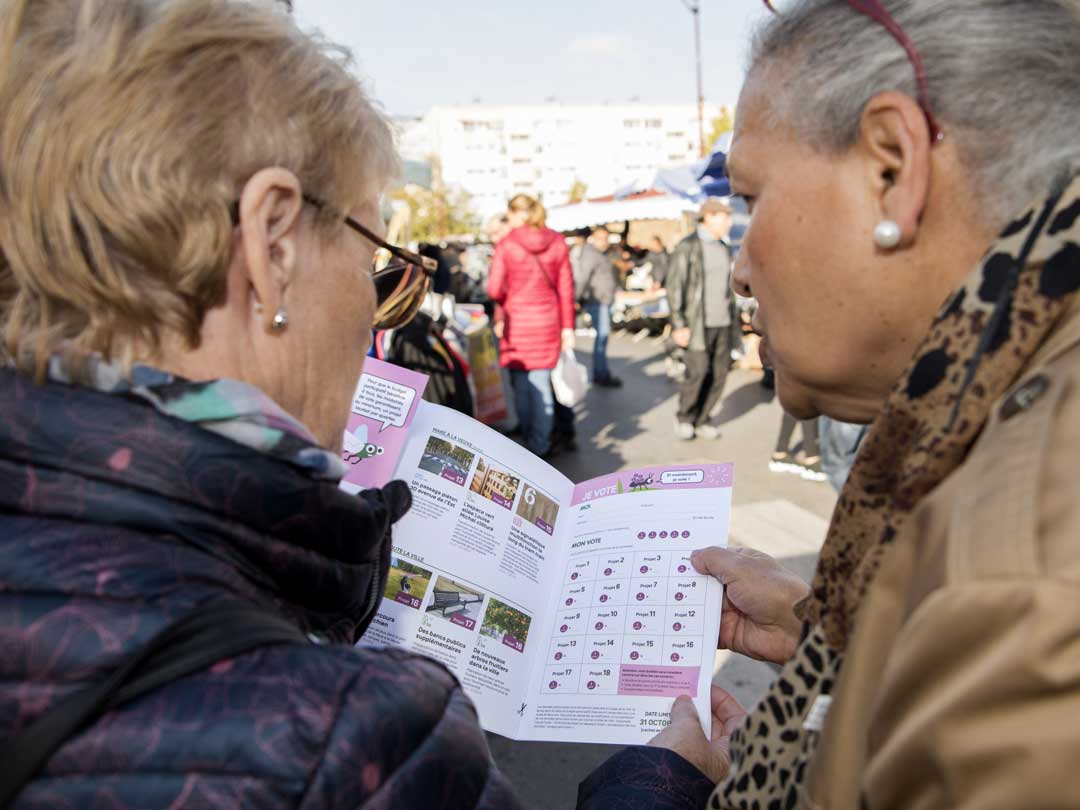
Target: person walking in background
657,256
839,442
807,462
702,315
531,280
597,281
498,227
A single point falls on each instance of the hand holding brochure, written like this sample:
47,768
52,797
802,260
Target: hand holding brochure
569,612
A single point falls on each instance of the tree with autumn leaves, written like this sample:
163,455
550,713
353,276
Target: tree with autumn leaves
504,619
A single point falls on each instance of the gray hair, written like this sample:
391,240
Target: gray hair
1002,78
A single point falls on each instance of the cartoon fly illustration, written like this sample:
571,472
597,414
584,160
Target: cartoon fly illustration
357,447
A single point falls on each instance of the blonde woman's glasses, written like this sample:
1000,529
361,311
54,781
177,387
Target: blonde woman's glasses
402,278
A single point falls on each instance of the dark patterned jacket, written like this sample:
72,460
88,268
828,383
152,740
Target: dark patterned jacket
116,520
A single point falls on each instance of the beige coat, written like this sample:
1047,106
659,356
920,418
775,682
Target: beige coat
961,685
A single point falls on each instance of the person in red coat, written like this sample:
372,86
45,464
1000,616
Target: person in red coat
531,280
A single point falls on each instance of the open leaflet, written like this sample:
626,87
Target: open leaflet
570,612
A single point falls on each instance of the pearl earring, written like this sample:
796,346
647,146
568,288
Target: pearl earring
886,234
281,320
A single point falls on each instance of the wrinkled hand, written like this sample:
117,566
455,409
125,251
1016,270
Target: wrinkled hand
681,337
567,340
687,739
758,619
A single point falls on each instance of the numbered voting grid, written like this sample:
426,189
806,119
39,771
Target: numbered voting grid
629,623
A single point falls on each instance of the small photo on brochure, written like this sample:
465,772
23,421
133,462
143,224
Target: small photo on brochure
446,460
496,485
407,583
538,509
506,625
458,604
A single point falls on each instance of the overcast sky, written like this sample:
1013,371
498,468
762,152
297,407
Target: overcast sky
418,53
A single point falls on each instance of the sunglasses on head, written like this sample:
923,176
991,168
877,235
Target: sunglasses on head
877,12
402,278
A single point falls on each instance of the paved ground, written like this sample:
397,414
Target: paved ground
777,513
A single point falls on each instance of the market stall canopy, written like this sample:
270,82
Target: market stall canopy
668,195
701,179
650,204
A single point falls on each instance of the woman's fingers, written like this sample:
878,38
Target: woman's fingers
722,563
727,713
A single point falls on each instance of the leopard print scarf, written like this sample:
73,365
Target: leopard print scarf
976,348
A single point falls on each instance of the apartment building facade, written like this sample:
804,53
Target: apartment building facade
494,152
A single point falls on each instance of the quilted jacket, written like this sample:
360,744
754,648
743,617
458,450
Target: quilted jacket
115,520
531,279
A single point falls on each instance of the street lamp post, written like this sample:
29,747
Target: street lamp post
694,7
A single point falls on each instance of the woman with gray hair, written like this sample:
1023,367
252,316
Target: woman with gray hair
914,245
189,222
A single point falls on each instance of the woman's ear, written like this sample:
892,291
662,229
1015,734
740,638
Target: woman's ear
271,204
894,139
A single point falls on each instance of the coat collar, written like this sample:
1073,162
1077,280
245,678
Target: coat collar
78,455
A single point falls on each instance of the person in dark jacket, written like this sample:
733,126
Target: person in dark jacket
597,282
658,257
187,301
703,317
532,282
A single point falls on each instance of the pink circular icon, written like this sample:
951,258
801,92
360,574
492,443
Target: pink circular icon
563,629
558,656
676,627
674,534
637,625
607,572
674,656
599,625
663,535
592,684
553,685
682,569
641,535
574,575
652,535
685,535
644,569
603,597
595,654
569,601
640,597
634,656
679,596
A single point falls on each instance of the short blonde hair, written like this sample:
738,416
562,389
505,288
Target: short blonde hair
129,128
537,216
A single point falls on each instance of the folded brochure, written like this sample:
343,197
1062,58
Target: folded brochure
569,612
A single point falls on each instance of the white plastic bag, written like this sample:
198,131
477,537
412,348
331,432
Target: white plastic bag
570,380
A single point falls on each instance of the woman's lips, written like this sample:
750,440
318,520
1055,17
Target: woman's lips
763,346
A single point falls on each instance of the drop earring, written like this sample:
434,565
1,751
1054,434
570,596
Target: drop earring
281,320
887,234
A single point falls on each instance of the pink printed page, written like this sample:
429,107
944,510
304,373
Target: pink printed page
633,624
383,407
646,479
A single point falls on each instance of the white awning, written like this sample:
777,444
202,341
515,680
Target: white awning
588,214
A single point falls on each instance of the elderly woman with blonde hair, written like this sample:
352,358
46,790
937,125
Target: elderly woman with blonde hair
914,245
189,215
